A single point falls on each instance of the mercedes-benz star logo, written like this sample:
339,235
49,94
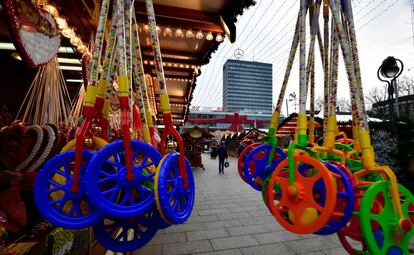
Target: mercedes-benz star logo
238,53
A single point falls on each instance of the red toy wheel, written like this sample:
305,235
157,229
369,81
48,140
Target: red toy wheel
242,158
297,210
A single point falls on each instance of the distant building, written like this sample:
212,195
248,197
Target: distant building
406,108
247,86
227,120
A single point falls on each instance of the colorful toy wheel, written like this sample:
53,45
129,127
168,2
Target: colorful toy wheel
265,184
351,238
350,235
242,159
276,188
53,195
108,187
127,234
256,167
381,228
174,202
344,202
298,209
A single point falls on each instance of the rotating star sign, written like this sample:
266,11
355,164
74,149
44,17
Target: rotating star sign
238,53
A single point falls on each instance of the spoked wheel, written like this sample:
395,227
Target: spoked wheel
344,199
242,159
298,208
256,167
351,238
276,187
53,195
381,229
350,235
127,234
174,202
108,186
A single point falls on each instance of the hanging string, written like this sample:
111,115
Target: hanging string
47,100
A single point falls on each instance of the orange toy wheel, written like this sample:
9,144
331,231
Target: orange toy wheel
298,207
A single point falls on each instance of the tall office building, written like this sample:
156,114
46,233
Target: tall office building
247,86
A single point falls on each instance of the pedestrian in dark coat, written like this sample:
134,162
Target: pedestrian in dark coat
222,153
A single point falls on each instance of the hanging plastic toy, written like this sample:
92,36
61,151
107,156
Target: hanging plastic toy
294,203
118,175
60,188
394,218
174,181
343,176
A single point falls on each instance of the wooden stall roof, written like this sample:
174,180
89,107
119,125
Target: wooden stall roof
182,56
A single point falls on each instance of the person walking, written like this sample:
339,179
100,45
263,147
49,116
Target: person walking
222,153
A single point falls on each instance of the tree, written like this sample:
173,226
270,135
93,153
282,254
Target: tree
343,105
375,95
405,86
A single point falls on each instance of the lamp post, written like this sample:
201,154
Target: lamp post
388,72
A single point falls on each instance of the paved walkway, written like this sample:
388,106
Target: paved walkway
230,218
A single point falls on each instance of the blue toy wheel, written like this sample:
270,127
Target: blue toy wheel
174,202
108,187
345,200
53,195
256,168
127,234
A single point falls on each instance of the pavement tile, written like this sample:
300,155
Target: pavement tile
168,238
233,242
186,248
311,244
228,216
206,234
203,218
185,227
246,230
243,209
275,237
220,206
222,224
223,252
149,250
213,211
335,251
270,249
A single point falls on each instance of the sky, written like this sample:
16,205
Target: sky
265,32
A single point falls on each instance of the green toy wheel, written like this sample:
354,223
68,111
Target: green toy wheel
380,229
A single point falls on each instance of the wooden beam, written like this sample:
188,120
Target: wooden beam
181,17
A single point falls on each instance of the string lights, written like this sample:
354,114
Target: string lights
169,64
181,33
65,29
